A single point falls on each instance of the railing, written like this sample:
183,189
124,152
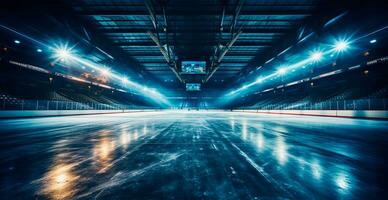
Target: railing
359,104
18,104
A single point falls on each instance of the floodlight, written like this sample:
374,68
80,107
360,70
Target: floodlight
316,56
105,72
16,41
341,46
63,54
124,80
39,50
282,71
373,41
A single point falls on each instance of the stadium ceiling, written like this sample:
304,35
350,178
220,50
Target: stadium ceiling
230,35
233,36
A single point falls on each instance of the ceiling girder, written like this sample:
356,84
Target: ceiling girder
171,62
272,12
225,50
189,30
216,59
156,38
196,43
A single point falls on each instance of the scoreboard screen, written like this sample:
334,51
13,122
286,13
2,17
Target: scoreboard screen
193,87
193,67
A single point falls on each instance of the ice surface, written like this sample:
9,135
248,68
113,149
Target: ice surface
192,155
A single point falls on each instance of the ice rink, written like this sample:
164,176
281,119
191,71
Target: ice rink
192,155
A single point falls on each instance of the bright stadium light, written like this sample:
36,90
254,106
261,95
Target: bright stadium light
281,71
39,50
105,72
341,46
373,41
316,56
124,80
16,41
63,54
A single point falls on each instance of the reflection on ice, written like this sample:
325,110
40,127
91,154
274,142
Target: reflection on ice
343,181
244,132
102,152
260,141
60,180
231,121
135,135
125,139
316,169
281,150
145,129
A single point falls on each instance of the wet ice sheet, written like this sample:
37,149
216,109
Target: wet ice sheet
192,155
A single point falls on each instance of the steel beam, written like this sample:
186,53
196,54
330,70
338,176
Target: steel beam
151,13
155,37
239,5
228,46
221,56
268,12
195,43
171,63
215,64
189,30
159,45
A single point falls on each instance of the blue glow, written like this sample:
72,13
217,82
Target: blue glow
341,46
64,53
39,50
316,56
124,80
373,41
105,72
16,41
282,71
